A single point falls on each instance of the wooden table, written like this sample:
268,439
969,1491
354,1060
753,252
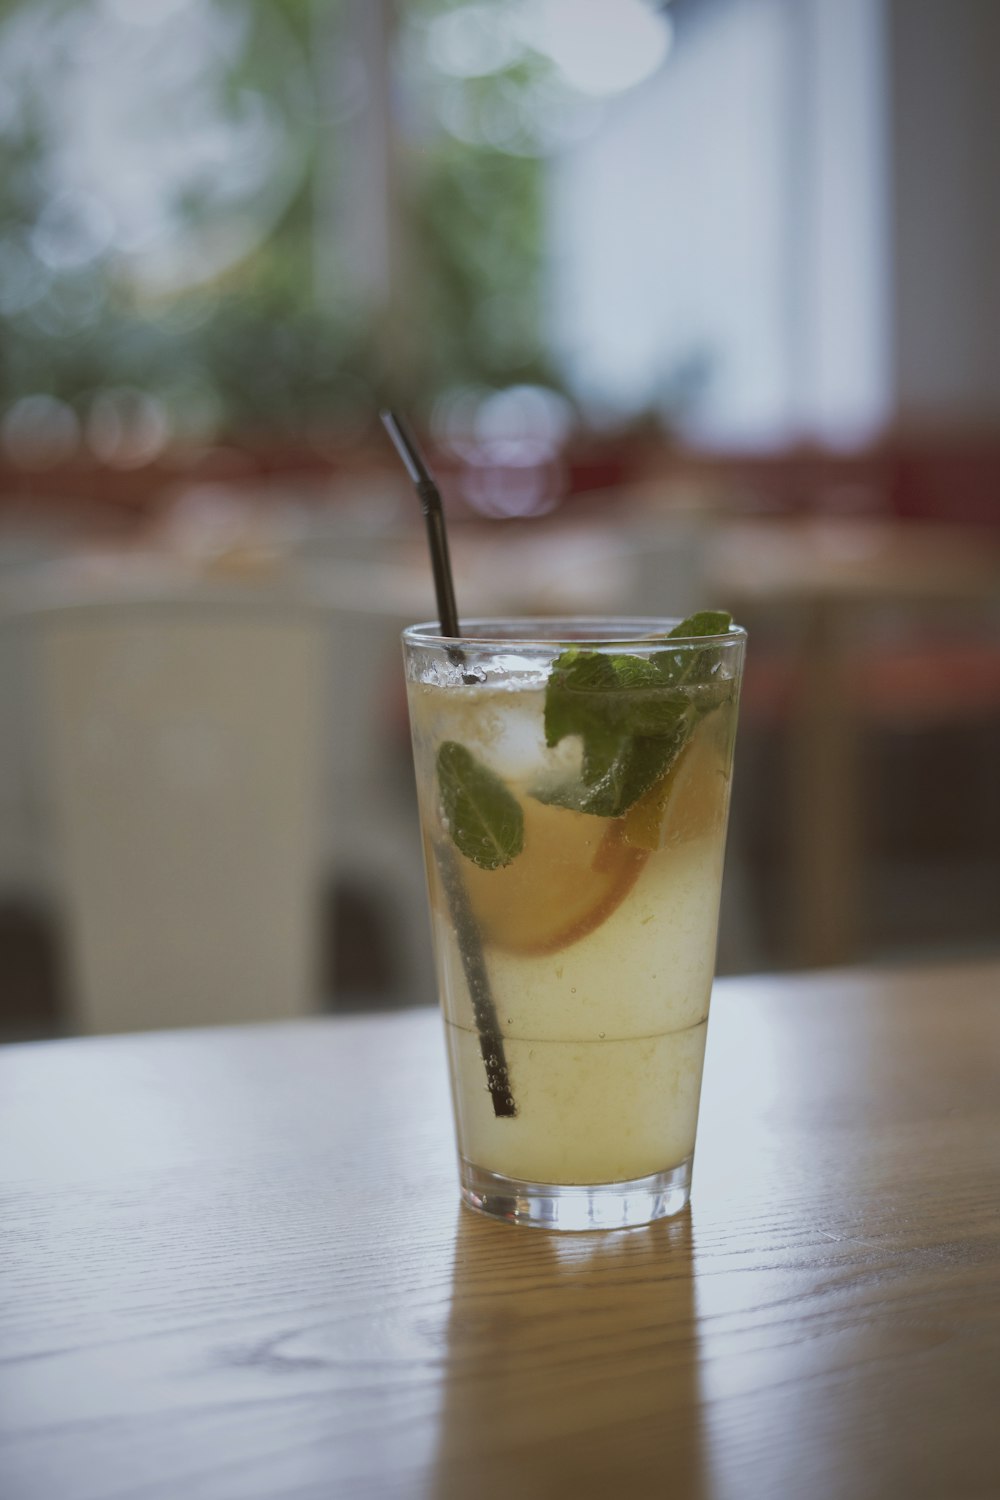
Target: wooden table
236,1267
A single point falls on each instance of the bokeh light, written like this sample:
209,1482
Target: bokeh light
474,40
39,432
603,47
127,428
148,157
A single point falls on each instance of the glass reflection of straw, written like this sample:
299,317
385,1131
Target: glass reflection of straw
469,945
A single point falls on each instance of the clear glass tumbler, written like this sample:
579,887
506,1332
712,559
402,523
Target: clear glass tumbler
573,778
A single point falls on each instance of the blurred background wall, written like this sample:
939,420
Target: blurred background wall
691,302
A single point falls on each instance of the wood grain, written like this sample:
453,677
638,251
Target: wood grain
234,1266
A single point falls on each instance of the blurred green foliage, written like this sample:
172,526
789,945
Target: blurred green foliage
255,350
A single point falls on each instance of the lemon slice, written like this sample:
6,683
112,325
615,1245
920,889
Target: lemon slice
572,873
689,800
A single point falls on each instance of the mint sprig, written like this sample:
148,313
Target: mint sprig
484,817
633,715
703,622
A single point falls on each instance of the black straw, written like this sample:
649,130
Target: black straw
477,978
430,503
469,944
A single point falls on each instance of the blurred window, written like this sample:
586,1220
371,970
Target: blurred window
720,243
265,217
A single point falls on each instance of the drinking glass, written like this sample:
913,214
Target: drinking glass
573,779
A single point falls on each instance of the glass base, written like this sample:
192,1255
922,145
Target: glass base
603,1205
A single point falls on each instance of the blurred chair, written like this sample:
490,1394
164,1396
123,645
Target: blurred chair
26,549
370,812
25,868
182,753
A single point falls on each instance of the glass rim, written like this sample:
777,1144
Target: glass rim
546,631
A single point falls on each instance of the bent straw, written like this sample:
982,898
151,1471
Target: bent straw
429,495
469,945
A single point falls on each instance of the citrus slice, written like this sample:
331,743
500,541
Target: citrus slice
572,873
688,801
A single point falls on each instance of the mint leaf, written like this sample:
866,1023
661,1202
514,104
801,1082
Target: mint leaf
632,714
704,622
618,780
484,817
574,695
693,666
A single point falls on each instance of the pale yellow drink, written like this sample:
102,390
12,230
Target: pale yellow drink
597,941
